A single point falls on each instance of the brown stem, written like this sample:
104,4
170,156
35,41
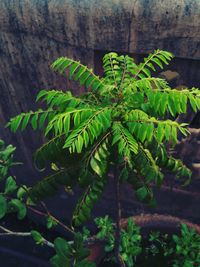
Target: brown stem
118,218
7,232
55,219
47,213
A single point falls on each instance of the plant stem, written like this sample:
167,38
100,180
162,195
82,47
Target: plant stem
8,232
54,218
118,217
45,214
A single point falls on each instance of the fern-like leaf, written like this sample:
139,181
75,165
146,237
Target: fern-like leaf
78,72
52,151
157,58
144,127
98,156
146,84
111,67
58,98
61,122
49,185
36,119
168,162
89,130
127,145
173,101
146,166
84,207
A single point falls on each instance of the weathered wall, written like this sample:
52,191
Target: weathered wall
35,32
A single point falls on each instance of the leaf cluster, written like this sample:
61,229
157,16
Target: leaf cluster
71,254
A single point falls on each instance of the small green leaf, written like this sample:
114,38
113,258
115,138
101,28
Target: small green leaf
17,206
174,135
193,102
62,247
95,165
72,69
167,131
79,144
163,104
51,222
57,261
141,193
21,192
37,237
34,121
15,122
158,62
150,131
160,132
10,186
142,132
3,206
42,119
41,94
25,121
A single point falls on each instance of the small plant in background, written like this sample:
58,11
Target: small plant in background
159,244
130,239
6,159
119,128
179,250
130,246
187,248
71,254
8,203
15,199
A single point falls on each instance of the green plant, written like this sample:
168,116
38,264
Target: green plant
6,159
130,243
179,250
187,247
159,244
130,239
113,128
182,249
106,232
15,199
73,254
10,197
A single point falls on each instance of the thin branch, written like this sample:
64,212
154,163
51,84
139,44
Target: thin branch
56,220
16,234
5,229
118,218
40,213
123,75
142,66
8,232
